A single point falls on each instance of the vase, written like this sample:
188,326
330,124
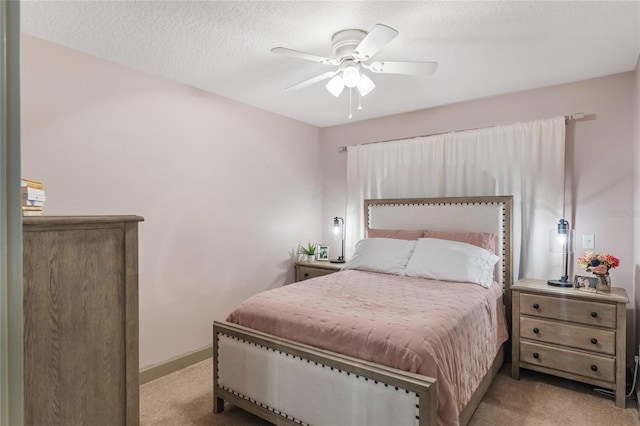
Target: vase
311,257
604,282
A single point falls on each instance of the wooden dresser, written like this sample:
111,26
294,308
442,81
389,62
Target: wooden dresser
306,270
81,320
570,333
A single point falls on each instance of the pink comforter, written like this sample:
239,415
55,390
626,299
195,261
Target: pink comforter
445,330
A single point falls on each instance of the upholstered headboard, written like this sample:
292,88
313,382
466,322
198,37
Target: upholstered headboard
461,214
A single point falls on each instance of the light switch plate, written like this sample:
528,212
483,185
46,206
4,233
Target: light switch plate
588,241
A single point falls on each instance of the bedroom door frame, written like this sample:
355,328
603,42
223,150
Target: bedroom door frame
11,296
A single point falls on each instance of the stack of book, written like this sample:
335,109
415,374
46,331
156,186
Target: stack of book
33,197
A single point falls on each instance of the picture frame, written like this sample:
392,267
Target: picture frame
323,252
586,283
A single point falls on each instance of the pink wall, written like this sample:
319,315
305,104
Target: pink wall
218,181
600,167
227,191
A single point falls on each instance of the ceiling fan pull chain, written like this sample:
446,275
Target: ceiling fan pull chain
359,101
350,115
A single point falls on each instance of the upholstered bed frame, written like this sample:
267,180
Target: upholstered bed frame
286,382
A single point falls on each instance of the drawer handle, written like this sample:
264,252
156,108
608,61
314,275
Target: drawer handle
306,275
594,340
536,306
536,355
594,314
535,330
594,367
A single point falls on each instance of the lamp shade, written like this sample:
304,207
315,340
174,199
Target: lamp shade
336,229
362,82
561,238
338,233
365,85
351,76
561,241
335,86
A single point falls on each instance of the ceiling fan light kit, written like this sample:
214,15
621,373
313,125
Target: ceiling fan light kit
353,50
365,85
351,76
335,86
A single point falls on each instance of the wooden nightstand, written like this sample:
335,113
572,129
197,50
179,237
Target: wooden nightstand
306,270
569,333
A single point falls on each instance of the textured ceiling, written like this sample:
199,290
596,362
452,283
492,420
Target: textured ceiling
483,48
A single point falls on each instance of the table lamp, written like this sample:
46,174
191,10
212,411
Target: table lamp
560,242
338,233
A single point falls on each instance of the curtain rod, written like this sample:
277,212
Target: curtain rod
567,118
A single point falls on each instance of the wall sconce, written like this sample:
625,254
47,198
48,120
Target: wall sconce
338,233
561,241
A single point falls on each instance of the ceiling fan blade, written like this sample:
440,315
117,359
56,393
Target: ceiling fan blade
304,55
411,68
373,42
313,80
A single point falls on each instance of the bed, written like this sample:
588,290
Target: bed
310,376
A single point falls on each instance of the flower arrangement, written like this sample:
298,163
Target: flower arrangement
598,263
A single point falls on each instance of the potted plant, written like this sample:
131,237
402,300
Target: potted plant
309,251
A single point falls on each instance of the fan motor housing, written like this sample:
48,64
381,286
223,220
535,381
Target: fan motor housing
345,42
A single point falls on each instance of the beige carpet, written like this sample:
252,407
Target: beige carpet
185,398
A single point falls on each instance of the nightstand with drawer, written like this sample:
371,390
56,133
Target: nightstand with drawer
569,333
306,270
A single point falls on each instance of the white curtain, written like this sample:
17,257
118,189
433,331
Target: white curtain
525,160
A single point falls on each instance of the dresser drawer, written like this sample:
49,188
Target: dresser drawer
580,311
575,336
306,272
587,365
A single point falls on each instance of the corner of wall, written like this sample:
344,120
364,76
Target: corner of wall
636,220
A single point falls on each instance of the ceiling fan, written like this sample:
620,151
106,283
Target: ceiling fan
354,51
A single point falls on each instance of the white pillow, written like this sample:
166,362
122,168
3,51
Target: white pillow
386,255
451,261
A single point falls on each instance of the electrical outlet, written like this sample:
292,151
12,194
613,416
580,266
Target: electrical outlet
588,241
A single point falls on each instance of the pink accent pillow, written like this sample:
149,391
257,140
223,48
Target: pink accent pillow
398,234
486,240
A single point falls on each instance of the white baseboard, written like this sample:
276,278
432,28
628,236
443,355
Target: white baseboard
156,371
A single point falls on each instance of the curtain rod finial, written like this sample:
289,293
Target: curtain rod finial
574,116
